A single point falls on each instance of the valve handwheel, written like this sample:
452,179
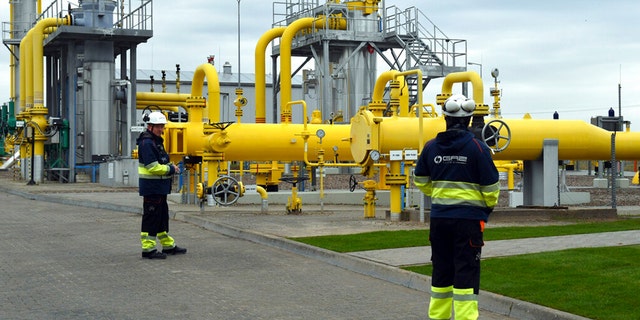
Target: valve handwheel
226,190
494,136
353,183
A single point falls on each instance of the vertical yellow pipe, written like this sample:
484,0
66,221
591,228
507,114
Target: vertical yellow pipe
395,194
213,84
285,51
23,73
261,73
26,72
285,59
38,56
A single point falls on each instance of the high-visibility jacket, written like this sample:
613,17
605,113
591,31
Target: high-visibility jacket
456,170
154,171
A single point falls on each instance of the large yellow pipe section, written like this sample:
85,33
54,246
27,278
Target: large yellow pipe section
261,73
285,142
285,51
577,139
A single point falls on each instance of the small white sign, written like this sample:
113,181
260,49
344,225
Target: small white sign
411,154
137,129
395,155
250,188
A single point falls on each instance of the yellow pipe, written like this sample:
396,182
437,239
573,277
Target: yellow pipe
167,101
285,51
305,135
38,56
161,96
578,140
395,192
213,89
246,141
261,85
164,105
381,83
262,192
418,72
466,76
26,72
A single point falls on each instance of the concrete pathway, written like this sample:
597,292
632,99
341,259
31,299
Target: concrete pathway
422,255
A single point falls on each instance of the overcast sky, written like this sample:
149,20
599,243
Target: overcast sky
567,56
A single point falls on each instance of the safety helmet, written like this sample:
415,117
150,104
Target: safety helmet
458,106
156,117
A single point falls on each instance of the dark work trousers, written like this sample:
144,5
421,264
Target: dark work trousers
155,214
456,247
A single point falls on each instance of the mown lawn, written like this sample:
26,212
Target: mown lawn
598,283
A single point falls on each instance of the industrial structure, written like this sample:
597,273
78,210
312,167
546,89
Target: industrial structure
358,119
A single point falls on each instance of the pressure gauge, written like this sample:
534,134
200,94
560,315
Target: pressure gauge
320,133
374,155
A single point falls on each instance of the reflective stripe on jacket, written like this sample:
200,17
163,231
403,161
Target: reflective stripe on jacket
154,171
456,170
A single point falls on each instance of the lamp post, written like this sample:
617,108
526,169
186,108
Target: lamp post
238,43
476,64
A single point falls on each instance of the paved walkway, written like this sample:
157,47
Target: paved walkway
500,248
272,229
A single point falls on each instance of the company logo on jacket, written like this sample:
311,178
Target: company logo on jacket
450,159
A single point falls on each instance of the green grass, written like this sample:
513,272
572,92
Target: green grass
415,238
598,283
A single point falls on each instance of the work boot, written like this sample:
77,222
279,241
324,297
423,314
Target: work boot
174,250
154,255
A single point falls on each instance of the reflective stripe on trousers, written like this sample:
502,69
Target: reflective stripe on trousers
166,240
148,242
440,303
465,303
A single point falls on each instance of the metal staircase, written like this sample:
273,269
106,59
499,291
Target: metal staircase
423,46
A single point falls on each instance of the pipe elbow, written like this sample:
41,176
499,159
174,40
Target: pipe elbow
262,192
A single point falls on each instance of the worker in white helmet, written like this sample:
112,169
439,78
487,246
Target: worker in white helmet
155,178
456,170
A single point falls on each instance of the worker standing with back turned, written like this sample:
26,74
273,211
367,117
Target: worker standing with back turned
155,178
456,170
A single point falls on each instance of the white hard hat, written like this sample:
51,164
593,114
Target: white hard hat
458,106
156,117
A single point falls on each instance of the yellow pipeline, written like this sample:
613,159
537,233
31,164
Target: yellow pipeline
285,51
213,89
578,140
247,141
25,72
162,96
467,76
167,101
38,56
261,73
